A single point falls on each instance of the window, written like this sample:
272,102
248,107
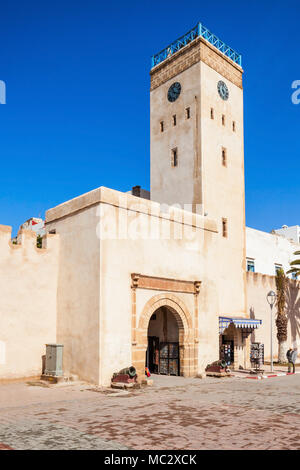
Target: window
233,126
224,228
174,120
224,157
174,157
278,267
250,265
294,276
188,113
212,113
161,126
223,119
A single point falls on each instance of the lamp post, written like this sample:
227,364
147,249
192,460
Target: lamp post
271,298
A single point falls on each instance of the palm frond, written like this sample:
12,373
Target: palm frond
295,262
294,271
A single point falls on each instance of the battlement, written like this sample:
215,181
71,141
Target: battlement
26,241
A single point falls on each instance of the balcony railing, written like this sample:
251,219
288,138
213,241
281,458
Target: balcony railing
198,31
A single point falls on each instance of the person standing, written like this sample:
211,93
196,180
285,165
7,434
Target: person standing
291,357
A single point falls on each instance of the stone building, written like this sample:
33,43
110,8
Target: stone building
159,281
268,252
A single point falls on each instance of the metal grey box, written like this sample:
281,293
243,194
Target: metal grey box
54,359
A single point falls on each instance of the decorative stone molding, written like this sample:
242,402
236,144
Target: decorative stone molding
164,284
197,285
135,280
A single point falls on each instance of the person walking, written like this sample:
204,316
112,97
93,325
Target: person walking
291,356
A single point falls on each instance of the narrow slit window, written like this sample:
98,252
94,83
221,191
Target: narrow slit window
224,157
188,113
174,120
223,119
224,228
212,113
233,126
250,265
174,161
162,126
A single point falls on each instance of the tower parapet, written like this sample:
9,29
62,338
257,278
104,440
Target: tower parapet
199,44
199,31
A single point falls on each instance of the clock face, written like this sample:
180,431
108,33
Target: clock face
223,90
174,92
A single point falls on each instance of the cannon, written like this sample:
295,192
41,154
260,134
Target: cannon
218,368
221,363
131,371
126,375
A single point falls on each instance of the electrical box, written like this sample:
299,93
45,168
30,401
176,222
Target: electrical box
54,359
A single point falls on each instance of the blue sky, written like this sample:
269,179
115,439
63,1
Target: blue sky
77,112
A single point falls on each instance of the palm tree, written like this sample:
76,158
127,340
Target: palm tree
295,265
281,320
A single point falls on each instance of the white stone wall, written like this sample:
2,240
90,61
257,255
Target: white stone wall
268,250
291,233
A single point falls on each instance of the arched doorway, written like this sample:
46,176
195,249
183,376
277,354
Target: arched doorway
167,304
162,356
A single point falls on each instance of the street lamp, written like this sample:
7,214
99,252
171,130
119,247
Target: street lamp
271,298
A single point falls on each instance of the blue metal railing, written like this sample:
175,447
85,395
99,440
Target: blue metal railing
198,31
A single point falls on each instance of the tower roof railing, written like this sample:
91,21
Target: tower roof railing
198,31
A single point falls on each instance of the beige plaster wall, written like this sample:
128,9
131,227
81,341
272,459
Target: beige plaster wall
223,186
258,286
78,287
176,185
28,288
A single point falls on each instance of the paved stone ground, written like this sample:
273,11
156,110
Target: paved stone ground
176,413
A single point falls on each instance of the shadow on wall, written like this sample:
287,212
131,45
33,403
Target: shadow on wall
293,311
252,316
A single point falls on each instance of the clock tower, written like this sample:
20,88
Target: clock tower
197,145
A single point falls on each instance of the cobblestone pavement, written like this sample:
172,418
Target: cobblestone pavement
176,413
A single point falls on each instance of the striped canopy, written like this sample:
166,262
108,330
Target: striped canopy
243,323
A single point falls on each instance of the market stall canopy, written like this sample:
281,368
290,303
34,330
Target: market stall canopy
246,324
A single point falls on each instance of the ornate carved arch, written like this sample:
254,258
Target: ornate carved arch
188,346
